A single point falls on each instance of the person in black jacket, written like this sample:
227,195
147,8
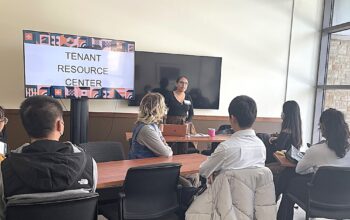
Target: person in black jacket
291,131
3,122
180,110
291,134
3,119
179,103
45,166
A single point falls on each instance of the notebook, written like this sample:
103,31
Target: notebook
174,130
2,148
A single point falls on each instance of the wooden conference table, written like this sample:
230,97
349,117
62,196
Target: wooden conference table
193,138
283,161
113,173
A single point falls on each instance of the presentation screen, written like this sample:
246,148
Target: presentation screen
157,72
73,66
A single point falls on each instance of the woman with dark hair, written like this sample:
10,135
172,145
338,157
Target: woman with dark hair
290,135
180,110
333,151
291,131
3,122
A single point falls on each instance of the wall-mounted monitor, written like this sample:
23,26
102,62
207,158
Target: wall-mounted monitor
73,66
159,71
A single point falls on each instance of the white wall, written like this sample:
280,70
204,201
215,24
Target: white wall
303,64
252,37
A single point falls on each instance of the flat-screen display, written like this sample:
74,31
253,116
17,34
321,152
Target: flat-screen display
157,72
73,66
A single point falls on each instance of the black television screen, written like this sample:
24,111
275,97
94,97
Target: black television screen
73,66
159,71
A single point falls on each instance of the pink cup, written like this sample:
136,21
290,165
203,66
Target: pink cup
211,132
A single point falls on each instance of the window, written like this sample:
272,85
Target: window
341,11
338,69
333,84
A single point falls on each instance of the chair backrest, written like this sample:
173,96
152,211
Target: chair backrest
151,191
252,192
224,129
72,207
104,151
265,138
329,188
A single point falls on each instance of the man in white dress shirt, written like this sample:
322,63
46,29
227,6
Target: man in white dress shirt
244,149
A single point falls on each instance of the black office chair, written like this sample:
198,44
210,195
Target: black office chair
68,207
265,138
192,149
223,129
328,194
149,192
105,151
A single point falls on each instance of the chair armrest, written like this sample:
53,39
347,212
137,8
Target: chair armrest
310,185
121,195
179,192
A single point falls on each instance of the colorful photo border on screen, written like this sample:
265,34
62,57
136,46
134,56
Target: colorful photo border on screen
77,41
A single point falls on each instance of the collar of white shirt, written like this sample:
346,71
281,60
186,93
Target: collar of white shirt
245,132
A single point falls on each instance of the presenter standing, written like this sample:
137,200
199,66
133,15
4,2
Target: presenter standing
180,111
3,122
3,119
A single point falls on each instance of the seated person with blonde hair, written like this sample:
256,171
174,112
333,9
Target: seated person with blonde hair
147,139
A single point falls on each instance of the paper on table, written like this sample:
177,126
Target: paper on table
199,135
2,148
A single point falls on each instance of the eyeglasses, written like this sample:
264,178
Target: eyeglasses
183,83
5,120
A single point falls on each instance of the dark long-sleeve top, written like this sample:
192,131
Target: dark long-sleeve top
180,109
283,142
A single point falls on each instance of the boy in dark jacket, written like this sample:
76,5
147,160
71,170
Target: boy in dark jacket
45,166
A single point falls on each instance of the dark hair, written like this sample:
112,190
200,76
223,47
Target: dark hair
39,114
2,112
292,122
180,77
244,109
2,133
335,130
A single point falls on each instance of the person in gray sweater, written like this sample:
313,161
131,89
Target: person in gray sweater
333,151
147,139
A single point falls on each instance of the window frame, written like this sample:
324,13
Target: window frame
321,84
